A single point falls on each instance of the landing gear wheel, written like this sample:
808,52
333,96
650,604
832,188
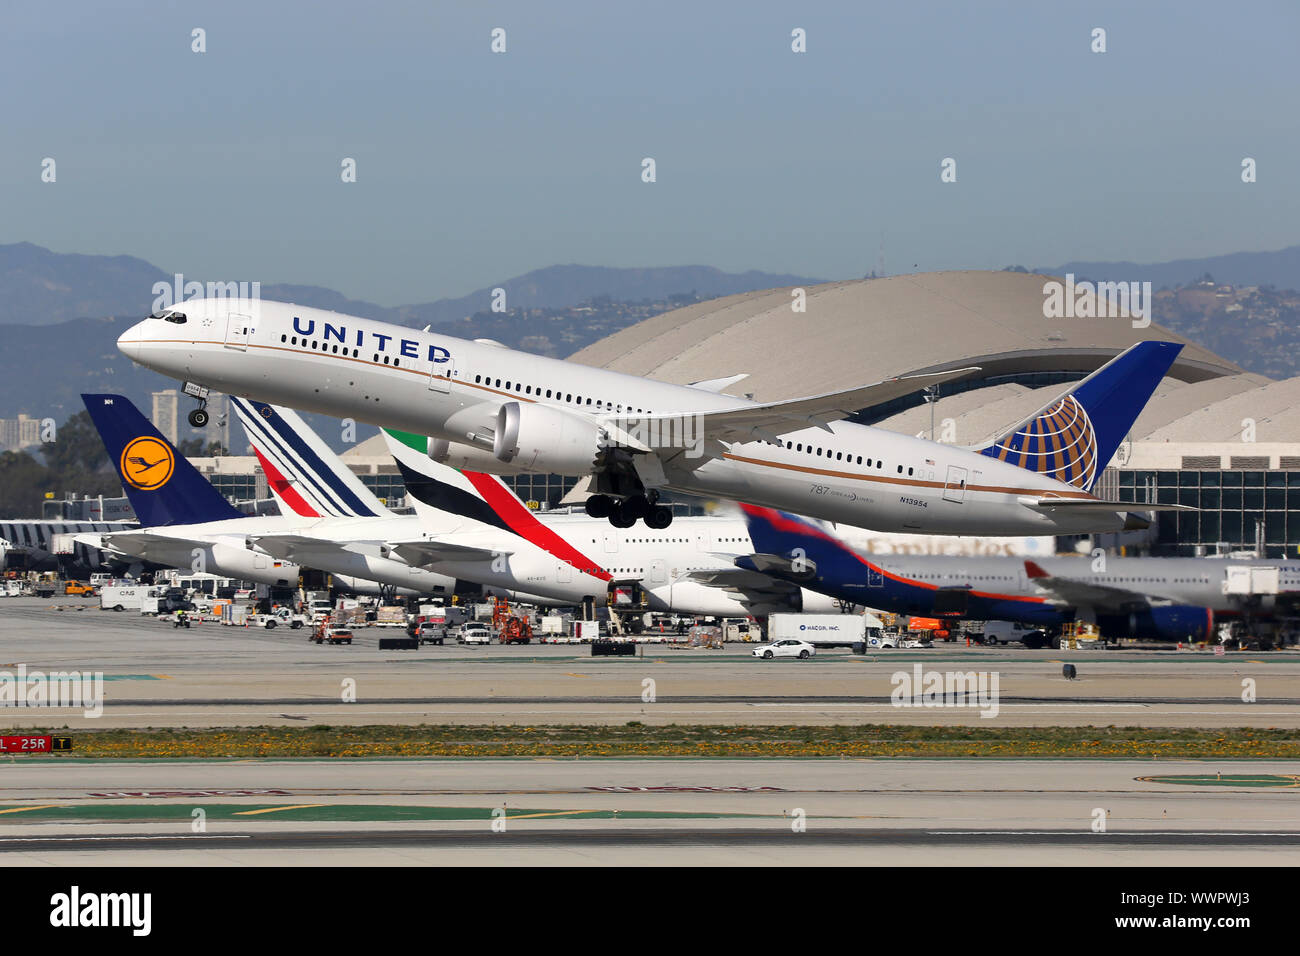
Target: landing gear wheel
600,506
635,507
198,418
660,517
619,517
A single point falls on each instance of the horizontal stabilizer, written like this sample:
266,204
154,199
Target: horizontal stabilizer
718,384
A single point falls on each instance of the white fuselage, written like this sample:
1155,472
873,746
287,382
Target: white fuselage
227,550
452,389
659,561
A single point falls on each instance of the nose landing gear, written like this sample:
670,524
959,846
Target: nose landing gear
625,513
199,417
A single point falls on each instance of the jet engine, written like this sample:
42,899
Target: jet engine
468,458
1175,622
540,438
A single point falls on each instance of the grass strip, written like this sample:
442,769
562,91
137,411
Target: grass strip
682,740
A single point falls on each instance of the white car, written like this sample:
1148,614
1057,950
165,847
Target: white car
787,648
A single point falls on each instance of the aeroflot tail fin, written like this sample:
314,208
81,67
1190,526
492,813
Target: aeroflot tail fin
305,475
791,538
164,488
1074,438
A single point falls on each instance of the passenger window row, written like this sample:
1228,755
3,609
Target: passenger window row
329,349
567,398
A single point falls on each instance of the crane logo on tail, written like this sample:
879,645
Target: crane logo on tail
147,463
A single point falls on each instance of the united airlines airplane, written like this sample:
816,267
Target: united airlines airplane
1171,599
492,409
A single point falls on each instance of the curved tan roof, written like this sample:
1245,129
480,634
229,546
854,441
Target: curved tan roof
862,331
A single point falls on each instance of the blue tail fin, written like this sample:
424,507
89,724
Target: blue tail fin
1074,438
163,486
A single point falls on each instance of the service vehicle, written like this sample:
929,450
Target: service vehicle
327,634
785,648
820,630
121,597
475,634
993,633
431,632
77,589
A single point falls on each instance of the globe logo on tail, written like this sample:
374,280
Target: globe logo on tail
1060,443
147,463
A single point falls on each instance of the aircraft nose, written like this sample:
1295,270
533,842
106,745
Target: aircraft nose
128,343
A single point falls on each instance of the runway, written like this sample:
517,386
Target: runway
212,676
654,812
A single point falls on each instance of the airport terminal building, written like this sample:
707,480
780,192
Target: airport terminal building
1214,437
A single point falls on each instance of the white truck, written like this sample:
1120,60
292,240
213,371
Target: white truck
122,597
821,630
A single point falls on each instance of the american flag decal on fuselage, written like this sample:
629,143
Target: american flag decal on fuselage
1059,443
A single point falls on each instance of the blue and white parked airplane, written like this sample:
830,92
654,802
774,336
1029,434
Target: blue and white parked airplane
1171,599
492,409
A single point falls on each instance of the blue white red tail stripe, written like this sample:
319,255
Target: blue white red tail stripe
322,481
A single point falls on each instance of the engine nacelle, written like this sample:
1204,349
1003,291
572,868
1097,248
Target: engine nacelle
539,438
1177,622
468,458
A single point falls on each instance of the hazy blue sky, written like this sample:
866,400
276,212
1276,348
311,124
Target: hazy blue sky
474,166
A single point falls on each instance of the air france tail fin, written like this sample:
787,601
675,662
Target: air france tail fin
164,488
304,474
1074,438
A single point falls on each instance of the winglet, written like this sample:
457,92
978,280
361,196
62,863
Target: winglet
1035,570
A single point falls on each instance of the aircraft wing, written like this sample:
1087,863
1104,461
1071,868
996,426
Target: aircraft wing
428,553
1066,591
760,593
291,547
777,418
141,543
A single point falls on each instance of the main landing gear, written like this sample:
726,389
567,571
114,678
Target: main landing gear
624,513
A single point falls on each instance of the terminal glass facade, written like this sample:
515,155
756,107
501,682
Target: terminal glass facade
1250,510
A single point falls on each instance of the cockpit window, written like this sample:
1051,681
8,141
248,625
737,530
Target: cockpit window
170,315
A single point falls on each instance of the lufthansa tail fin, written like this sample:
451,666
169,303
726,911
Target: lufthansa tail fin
164,488
1074,438
305,475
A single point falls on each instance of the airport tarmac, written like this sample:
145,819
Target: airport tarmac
671,811
211,676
